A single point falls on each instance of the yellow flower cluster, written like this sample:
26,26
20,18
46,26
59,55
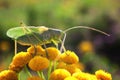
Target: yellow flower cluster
42,57
65,66
72,68
59,74
38,63
36,50
37,59
69,57
63,74
84,76
8,75
86,46
70,78
53,53
19,61
69,61
102,75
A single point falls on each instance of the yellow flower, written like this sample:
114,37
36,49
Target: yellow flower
38,63
19,61
93,77
69,67
59,74
8,75
61,65
79,65
69,57
38,50
4,46
102,75
52,53
72,69
86,46
81,76
70,78
34,78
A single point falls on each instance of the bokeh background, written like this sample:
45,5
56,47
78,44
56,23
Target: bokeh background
96,51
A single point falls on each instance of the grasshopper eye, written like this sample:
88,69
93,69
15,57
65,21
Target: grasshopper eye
34,35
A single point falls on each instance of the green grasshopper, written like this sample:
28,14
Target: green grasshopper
30,35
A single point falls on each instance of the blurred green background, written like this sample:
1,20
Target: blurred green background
63,14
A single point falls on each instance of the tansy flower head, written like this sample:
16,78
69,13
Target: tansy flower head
61,65
70,67
59,74
69,57
81,76
79,65
37,50
102,75
86,46
8,75
19,61
52,53
34,78
70,78
93,77
38,63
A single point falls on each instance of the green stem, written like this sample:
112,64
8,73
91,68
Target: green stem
28,72
55,65
19,76
55,43
49,70
40,74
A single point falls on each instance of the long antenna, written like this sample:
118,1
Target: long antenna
85,27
